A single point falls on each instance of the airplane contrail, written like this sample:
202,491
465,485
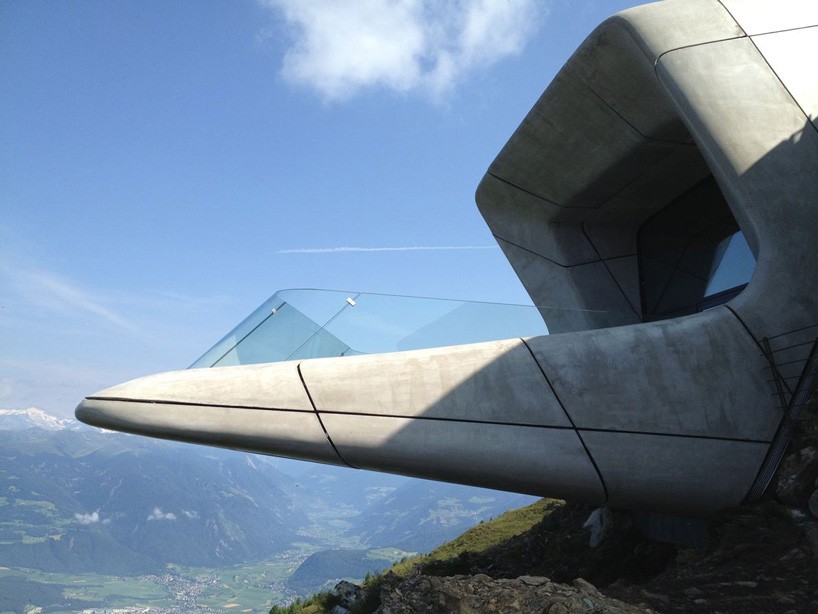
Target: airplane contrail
410,248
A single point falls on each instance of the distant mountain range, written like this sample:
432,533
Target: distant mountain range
19,419
82,500
76,499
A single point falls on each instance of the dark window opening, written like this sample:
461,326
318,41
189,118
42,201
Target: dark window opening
692,255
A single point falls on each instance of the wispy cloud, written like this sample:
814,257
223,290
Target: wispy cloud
64,335
60,294
61,291
341,48
410,248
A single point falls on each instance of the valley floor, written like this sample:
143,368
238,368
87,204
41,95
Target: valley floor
241,588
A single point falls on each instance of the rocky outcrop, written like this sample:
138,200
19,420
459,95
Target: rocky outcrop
760,559
482,594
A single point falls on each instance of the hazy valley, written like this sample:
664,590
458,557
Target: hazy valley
96,519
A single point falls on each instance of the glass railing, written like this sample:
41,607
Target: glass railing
297,324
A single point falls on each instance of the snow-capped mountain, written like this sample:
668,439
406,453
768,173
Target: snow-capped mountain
19,419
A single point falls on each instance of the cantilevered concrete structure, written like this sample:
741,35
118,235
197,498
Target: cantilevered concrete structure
672,127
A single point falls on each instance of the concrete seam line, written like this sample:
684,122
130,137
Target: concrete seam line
321,422
535,195
636,309
625,120
554,262
781,81
195,404
573,426
528,425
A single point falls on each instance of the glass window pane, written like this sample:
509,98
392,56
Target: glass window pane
735,268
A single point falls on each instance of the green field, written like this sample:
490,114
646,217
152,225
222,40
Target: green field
242,588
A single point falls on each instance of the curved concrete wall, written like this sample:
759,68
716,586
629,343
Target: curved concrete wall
673,415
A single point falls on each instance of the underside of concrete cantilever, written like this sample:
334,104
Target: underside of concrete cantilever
673,126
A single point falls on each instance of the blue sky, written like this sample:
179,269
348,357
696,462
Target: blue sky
166,166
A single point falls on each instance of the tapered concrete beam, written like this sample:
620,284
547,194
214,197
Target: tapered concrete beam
259,408
420,413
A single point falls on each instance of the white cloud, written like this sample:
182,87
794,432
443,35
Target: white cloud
426,45
91,518
157,514
193,515
411,248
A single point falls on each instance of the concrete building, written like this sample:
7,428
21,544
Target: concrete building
674,126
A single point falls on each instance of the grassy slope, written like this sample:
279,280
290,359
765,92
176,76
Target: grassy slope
485,535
